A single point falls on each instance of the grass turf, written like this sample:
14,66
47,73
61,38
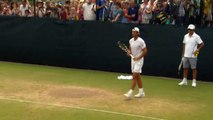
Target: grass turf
164,98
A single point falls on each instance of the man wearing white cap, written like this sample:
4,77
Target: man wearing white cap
137,50
192,44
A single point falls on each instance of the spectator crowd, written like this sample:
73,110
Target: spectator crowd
171,12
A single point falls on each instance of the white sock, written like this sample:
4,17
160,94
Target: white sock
185,79
130,91
140,90
194,80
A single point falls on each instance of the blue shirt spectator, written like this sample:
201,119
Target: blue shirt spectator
101,9
133,12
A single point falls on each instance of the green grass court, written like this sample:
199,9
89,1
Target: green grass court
34,92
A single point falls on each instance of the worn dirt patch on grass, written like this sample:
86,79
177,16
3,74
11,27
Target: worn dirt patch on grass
75,92
48,92
91,98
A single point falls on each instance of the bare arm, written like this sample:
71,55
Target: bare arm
199,47
99,7
116,18
94,8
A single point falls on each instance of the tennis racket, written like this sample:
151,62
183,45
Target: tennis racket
179,67
124,48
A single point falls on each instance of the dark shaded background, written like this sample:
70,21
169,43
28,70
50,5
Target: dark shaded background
93,45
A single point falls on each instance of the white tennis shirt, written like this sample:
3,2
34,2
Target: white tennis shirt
137,46
191,44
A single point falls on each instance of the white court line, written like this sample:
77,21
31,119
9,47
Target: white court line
80,108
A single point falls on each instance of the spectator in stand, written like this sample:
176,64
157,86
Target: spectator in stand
1,9
181,6
197,12
119,14
89,10
58,9
207,12
7,10
73,14
67,3
63,15
28,13
133,12
14,8
101,9
49,9
40,9
79,9
112,10
152,4
106,11
145,12
54,13
157,10
180,12
171,12
193,11
24,6
125,6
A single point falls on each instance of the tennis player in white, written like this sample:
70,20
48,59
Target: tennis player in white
138,50
192,44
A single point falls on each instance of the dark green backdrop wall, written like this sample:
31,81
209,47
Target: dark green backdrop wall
93,45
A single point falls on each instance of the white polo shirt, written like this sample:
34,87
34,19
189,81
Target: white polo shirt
191,44
88,13
137,46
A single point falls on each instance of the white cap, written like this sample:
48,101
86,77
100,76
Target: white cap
136,29
191,26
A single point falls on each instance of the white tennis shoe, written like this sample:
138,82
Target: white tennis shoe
128,95
194,83
183,82
140,95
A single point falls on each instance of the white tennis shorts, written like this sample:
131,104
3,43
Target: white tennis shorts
136,66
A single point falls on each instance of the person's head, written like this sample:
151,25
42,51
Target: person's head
89,1
24,3
118,5
27,13
146,1
67,2
191,29
132,3
39,3
125,5
114,1
13,5
159,4
135,32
